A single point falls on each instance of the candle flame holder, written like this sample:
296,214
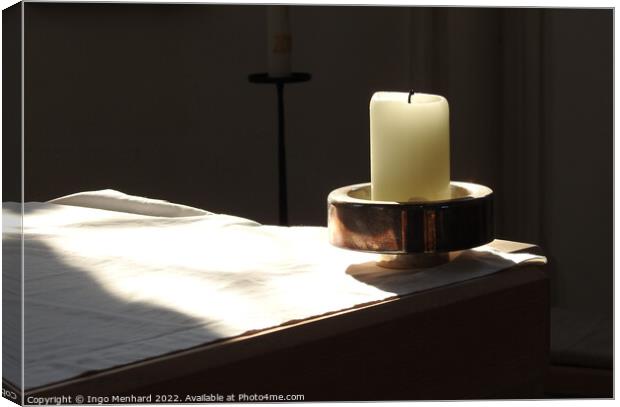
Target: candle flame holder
411,234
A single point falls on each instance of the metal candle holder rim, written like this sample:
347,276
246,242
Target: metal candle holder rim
461,222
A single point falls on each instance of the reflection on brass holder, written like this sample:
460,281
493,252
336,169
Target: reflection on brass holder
411,234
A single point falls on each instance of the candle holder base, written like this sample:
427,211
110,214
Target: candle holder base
412,233
413,261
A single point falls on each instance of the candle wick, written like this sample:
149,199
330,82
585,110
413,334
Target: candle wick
409,98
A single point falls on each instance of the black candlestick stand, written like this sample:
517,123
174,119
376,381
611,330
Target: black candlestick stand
280,82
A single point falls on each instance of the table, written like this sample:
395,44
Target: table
483,338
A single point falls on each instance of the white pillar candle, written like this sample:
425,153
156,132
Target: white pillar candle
279,41
409,147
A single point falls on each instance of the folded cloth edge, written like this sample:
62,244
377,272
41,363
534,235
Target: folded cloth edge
112,200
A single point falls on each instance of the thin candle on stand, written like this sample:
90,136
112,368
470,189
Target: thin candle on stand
279,41
279,73
409,147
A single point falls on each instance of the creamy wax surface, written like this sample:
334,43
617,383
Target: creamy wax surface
409,147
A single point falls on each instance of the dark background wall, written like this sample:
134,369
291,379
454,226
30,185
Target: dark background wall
153,100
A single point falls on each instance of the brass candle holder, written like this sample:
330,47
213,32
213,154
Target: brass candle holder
411,234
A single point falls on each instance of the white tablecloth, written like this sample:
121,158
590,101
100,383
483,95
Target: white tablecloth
109,284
